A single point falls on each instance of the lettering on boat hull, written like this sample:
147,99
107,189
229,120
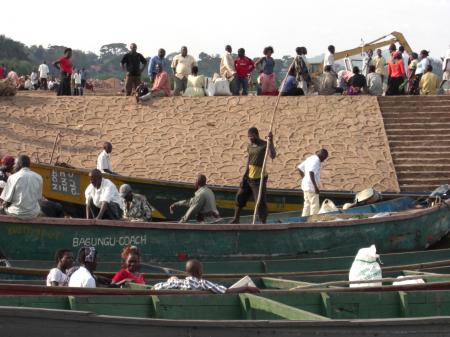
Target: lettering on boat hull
110,241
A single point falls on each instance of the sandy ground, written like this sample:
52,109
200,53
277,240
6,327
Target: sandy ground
177,138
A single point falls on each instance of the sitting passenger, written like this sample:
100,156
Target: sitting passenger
102,198
328,82
357,83
136,206
83,277
57,277
194,281
130,267
195,84
289,87
22,191
161,86
374,83
6,170
201,206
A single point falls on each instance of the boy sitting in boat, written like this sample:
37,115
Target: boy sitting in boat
194,281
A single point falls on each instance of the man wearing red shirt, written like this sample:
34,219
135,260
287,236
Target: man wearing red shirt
244,66
64,65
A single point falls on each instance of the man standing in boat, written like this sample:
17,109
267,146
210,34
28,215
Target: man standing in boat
310,172
253,174
104,159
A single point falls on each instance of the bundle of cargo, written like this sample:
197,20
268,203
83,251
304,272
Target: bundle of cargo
7,88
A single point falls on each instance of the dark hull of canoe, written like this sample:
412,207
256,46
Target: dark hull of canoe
67,187
365,314
406,231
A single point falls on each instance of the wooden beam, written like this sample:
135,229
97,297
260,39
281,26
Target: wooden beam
276,283
404,305
283,310
156,303
326,303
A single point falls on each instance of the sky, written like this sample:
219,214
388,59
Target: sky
207,26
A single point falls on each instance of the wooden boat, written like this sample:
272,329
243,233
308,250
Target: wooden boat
329,312
67,186
228,272
409,230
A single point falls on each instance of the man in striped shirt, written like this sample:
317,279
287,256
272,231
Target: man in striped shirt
194,281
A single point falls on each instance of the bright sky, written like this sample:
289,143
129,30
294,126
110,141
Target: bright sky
207,25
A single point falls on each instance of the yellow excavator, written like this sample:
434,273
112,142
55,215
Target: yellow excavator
394,37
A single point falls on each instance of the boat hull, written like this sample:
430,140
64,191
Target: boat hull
406,231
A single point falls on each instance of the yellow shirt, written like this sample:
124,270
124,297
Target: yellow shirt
183,65
428,84
379,63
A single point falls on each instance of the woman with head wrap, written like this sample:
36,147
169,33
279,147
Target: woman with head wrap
84,276
130,267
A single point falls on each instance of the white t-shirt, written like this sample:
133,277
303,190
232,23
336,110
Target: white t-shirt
329,60
76,78
43,70
56,275
311,164
23,190
107,192
422,65
104,162
82,278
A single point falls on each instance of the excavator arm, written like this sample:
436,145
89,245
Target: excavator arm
378,43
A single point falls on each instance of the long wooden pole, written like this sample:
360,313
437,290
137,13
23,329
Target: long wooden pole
58,135
258,201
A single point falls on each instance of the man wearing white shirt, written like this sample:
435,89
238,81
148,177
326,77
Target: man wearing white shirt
227,69
43,74
405,58
310,172
104,159
23,190
83,277
422,65
329,58
102,198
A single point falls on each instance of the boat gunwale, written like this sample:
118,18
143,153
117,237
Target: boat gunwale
413,213
227,188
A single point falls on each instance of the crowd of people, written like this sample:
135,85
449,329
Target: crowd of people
403,73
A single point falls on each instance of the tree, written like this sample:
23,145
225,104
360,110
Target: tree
112,50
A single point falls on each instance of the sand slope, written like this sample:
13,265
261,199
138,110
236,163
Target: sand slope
176,138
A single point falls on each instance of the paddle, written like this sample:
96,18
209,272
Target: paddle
166,270
258,200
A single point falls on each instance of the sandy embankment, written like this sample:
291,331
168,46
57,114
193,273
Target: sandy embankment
176,138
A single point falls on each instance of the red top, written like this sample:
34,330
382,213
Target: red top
396,69
124,274
65,65
2,72
244,66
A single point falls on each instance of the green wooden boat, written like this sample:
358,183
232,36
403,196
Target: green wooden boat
319,314
409,230
67,185
227,272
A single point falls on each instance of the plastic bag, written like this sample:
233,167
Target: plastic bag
327,207
365,267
